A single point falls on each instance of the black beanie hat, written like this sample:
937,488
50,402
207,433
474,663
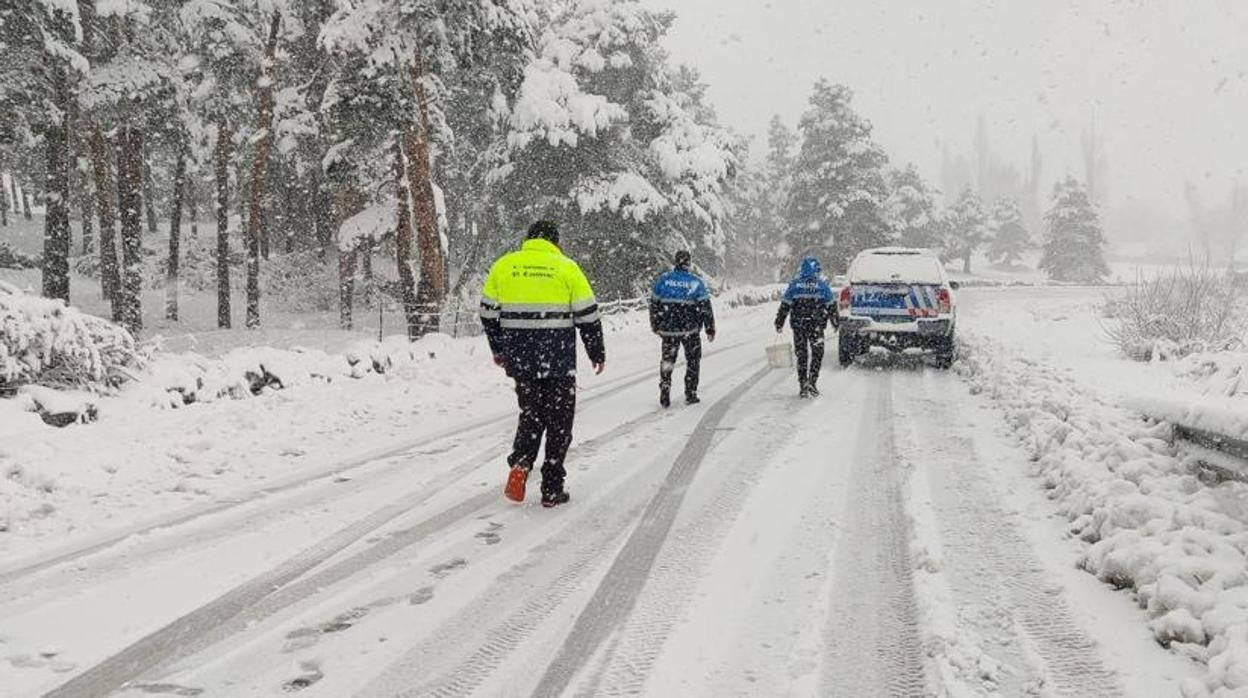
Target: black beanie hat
546,230
683,259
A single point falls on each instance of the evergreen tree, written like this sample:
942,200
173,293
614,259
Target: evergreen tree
968,228
837,205
607,139
1074,244
1009,234
914,212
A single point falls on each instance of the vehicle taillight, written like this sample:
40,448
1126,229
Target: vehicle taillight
944,301
845,296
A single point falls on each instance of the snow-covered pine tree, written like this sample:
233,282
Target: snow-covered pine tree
604,139
968,228
42,66
837,204
1008,231
1074,244
756,228
415,49
914,211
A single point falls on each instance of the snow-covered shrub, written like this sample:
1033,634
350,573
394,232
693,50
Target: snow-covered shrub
1173,315
301,282
749,296
46,342
13,259
1150,525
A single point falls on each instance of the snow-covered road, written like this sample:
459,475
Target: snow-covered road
882,540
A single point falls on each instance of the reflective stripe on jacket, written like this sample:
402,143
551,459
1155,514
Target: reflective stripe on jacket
533,303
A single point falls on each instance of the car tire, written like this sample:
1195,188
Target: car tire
945,349
846,347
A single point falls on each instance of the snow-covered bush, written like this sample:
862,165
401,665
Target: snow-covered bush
1150,525
749,296
13,259
1173,315
301,282
44,341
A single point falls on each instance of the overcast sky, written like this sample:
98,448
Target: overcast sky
1166,80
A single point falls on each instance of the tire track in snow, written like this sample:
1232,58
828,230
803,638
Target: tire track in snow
871,641
273,591
997,581
616,595
190,515
683,560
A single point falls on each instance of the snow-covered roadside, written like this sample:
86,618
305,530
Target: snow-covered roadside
1150,526
141,460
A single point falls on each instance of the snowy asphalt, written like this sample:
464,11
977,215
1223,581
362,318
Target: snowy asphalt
867,543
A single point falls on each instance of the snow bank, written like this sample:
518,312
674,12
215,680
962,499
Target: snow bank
1218,401
44,341
1151,526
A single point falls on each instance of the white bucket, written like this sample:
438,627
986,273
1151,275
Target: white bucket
780,355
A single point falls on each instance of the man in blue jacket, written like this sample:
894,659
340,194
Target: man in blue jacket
808,305
680,307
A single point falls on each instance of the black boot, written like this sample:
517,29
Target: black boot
554,499
665,397
692,399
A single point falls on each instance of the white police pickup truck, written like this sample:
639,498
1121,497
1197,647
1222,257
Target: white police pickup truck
897,298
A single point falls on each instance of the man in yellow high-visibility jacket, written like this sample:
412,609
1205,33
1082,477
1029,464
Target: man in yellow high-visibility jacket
534,302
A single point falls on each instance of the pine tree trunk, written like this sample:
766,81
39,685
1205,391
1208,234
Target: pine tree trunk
130,203
966,263
192,208
110,278
223,224
321,212
175,234
86,206
264,127
431,289
403,243
57,234
149,198
26,203
346,204
4,204
17,202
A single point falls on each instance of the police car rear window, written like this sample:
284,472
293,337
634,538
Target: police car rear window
895,268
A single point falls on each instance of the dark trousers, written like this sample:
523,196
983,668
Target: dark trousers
808,347
693,361
547,406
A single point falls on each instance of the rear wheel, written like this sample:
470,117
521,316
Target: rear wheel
847,347
944,352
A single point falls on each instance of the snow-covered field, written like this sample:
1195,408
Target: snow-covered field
1008,528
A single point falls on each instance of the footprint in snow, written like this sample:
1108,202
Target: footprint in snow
422,596
490,535
444,568
303,638
312,675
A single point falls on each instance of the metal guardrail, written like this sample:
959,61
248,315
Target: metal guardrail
1223,457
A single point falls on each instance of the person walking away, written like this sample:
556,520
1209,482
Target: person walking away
680,308
808,306
534,302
